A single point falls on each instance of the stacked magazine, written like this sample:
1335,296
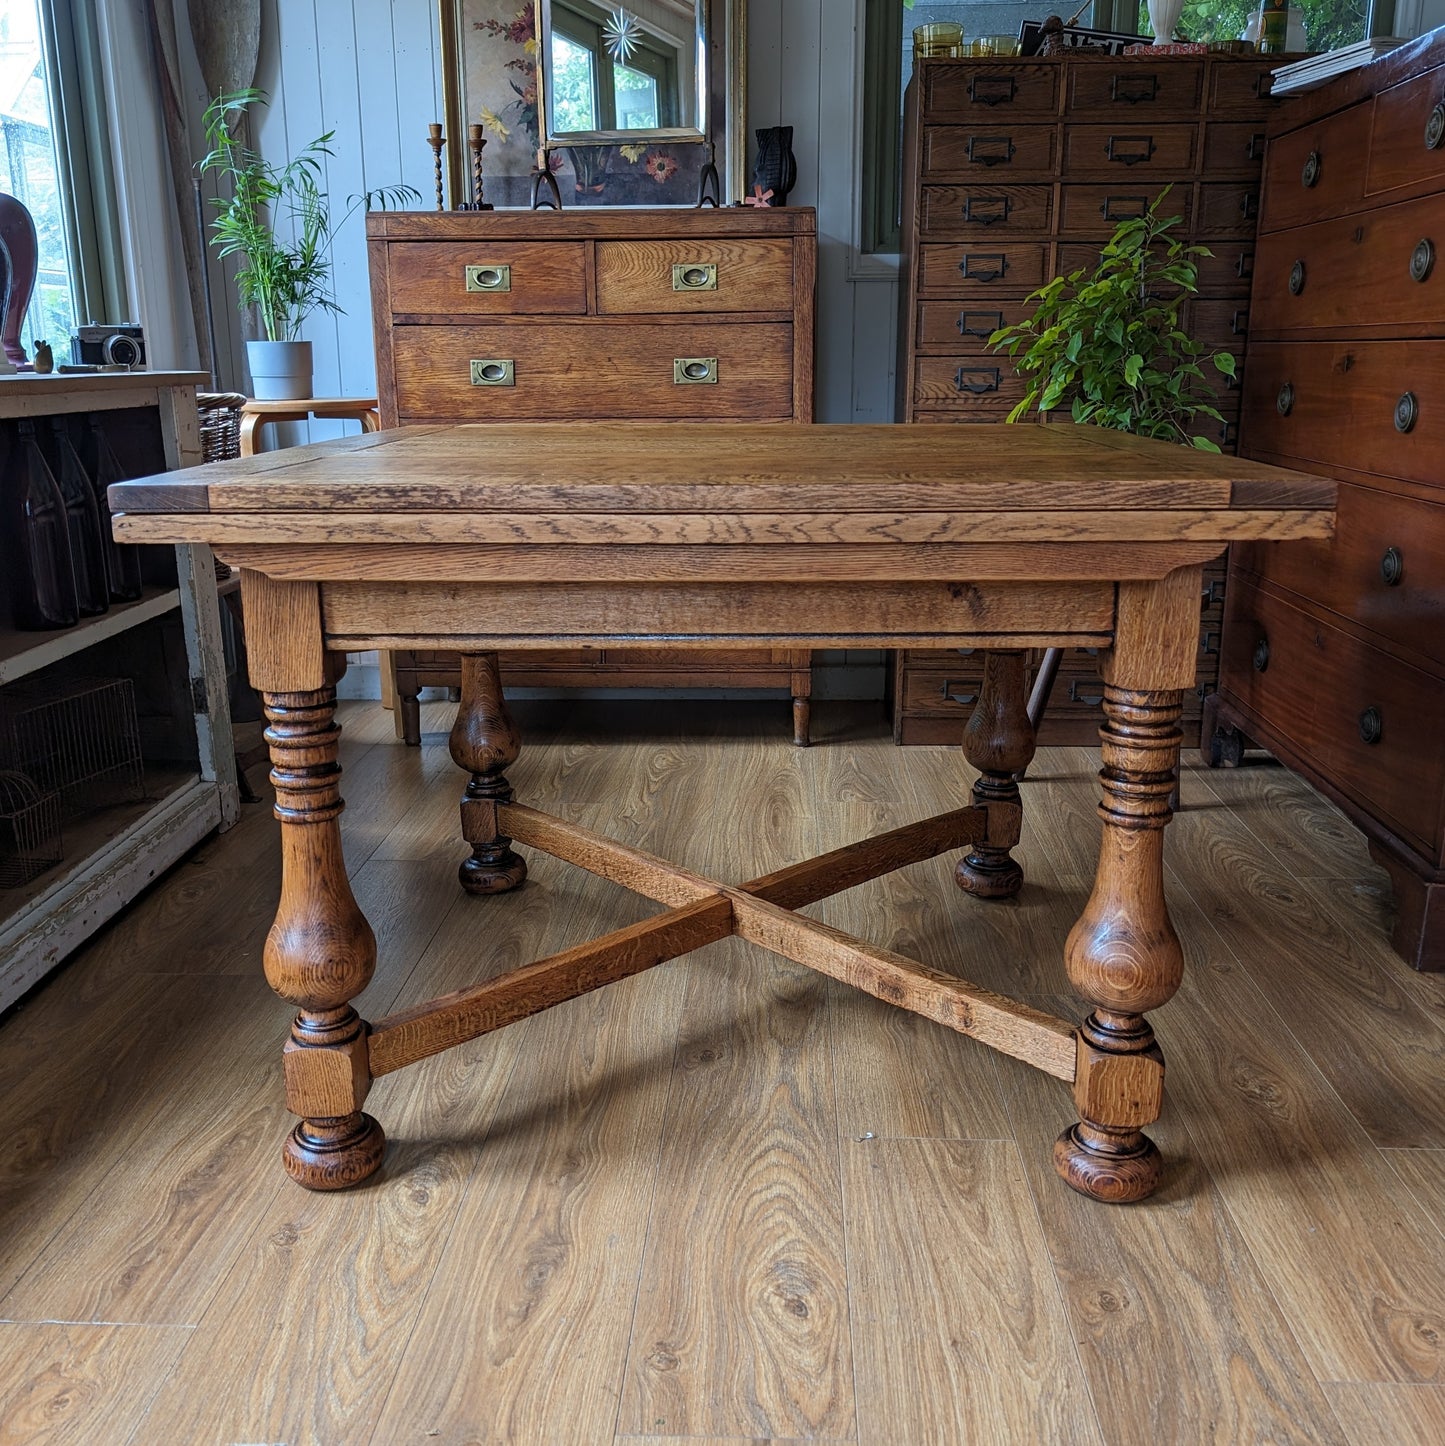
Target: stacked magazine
1307,74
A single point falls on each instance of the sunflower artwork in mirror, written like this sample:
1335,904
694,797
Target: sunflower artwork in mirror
626,102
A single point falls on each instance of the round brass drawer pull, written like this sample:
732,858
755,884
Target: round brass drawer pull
1392,567
1284,402
1435,128
1372,726
1310,175
1297,278
1422,259
1407,413
1261,655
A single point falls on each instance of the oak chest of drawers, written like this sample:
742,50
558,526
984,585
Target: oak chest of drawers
1016,171
591,314
1334,653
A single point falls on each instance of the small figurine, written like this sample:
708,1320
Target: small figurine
44,357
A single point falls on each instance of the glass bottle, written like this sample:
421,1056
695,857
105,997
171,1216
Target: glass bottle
122,560
36,539
87,542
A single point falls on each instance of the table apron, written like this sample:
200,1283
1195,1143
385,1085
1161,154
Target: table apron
478,616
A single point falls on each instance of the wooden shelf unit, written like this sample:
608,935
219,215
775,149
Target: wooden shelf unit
112,855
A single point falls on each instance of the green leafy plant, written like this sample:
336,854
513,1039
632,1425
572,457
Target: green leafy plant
1110,345
276,218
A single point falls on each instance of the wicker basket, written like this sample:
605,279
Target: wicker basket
220,424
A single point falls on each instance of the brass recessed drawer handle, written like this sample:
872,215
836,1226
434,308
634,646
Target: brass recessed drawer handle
694,276
1422,259
1309,175
1435,128
1372,726
489,278
1407,413
687,370
1392,567
494,372
1284,401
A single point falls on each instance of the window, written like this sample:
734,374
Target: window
29,172
1329,24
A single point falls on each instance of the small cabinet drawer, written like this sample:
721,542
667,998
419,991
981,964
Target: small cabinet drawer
985,384
1368,721
949,326
973,270
1317,171
1382,268
1004,150
1407,139
1384,568
1130,147
1096,210
1376,406
1241,85
487,278
952,91
1230,209
1226,272
1234,146
557,370
1219,324
985,210
687,276
940,691
1134,86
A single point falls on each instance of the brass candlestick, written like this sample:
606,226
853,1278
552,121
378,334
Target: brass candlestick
436,141
477,141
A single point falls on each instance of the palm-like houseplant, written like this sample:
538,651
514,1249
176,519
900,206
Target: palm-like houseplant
1110,347
276,219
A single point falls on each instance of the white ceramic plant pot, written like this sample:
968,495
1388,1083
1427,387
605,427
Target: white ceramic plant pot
1164,16
280,370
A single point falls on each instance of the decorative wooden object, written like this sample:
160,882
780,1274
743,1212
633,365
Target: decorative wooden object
1334,653
1017,170
545,534
596,315
436,141
477,142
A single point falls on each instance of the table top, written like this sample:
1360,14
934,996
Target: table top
664,483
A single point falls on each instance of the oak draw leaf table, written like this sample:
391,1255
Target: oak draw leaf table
479,538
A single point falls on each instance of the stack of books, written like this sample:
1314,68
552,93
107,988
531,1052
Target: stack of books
1307,74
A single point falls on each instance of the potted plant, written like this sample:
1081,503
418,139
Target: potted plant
275,218
1110,346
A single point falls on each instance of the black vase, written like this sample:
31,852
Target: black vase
775,170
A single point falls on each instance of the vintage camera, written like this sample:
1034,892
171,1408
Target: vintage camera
119,345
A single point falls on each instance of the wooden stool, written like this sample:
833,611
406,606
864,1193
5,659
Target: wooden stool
255,414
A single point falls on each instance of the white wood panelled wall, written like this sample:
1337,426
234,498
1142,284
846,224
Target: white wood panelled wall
369,70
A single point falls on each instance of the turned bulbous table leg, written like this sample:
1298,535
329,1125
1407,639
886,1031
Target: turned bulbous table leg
484,741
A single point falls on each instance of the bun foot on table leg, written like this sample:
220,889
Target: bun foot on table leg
989,875
1116,1167
487,871
334,1154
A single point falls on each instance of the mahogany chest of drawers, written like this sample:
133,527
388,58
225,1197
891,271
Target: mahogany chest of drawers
1334,653
1016,171
593,314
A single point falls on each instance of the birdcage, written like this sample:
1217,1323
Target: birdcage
78,739
29,829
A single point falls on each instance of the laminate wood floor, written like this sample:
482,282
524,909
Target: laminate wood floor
731,1201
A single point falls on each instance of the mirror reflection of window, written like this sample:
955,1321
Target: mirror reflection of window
595,89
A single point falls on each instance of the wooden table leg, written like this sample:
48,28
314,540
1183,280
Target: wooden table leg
485,742
999,741
1123,955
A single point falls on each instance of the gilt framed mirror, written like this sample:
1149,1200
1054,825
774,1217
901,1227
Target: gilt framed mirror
623,94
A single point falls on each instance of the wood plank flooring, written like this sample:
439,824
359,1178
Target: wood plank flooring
731,1201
